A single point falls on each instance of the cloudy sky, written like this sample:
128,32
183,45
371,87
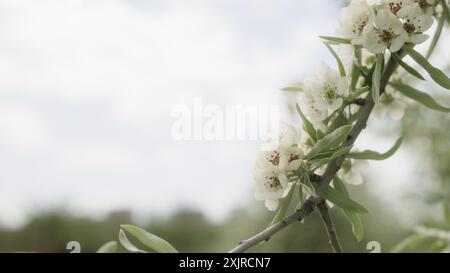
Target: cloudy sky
87,89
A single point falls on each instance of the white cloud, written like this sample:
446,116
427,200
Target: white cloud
22,128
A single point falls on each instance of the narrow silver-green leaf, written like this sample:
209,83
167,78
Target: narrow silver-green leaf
445,11
284,206
436,36
357,226
301,194
337,58
376,78
372,155
293,89
152,241
438,246
437,75
309,187
412,243
419,96
320,134
339,121
356,68
109,247
343,201
336,40
407,67
352,217
127,244
330,141
318,162
309,127
360,91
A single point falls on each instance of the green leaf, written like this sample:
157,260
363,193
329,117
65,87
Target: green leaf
357,226
301,195
309,128
372,155
322,159
369,75
412,243
330,141
437,75
356,68
436,37
336,40
284,206
438,246
407,67
376,78
360,91
293,89
352,217
331,154
339,121
109,247
338,60
152,241
419,96
355,76
320,134
127,244
309,187
445,11
343,201
340,186
354,117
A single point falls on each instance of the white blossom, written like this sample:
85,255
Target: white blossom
415,23
356,20
350,171
387,33
323,93
427,6
272,168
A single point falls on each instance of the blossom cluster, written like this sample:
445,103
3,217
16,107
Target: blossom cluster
273,168
386,24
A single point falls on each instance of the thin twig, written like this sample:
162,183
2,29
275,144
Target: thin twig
359,102
306,209
329,227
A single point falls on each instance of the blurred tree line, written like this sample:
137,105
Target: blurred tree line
190,231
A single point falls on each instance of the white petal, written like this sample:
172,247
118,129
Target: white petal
418,38
271,205
397,44
360,165
380,111
353,178
294,165
288,189
283,161
283,180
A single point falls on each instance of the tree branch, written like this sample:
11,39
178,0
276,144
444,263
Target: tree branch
329,227
306,209
332,168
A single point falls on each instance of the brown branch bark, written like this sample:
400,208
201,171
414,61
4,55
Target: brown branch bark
329,227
